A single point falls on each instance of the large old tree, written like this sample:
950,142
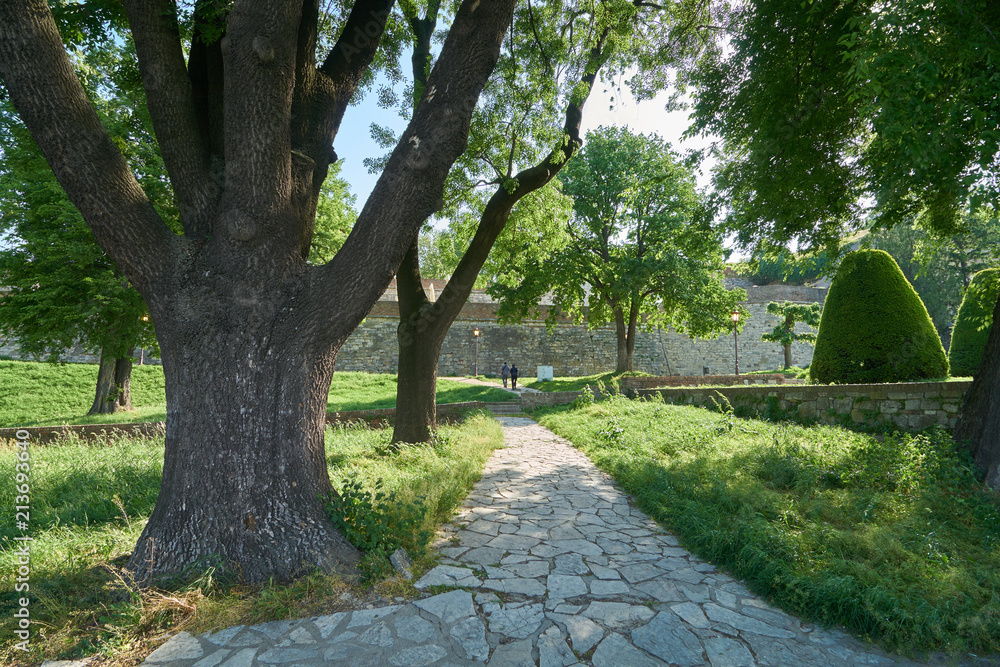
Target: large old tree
245,116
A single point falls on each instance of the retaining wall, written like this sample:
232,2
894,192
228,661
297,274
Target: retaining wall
910,406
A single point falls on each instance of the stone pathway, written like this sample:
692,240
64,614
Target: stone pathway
547,564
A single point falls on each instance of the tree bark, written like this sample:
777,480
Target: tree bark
979,420
104,398
788,356
123,383
244,470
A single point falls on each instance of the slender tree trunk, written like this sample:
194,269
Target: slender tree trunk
979,421
788,356
625,333
105,400
244,472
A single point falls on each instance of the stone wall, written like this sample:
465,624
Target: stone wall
908,405
573,349
569,348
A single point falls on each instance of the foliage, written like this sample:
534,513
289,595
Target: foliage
972,327
894,539
335,216
874,326
635,246
784,267
63,289
820,103
89,502
939,266
790,314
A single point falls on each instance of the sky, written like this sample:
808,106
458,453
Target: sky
354,142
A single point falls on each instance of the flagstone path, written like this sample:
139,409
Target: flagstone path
547,564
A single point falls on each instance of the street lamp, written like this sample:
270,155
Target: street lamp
735,317
476,332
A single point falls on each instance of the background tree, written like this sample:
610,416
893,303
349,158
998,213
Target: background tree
245,115
526,128
636,254
823,102
63,290
790,314
972,327
874,327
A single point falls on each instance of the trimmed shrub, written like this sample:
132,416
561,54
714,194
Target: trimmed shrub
972,326
874,326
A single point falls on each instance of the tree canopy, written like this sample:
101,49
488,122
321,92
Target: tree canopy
636,251
790,314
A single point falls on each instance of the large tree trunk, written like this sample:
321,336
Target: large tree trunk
114,385
979,421
244,471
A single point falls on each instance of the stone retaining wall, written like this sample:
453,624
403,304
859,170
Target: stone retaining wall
910,406
651,382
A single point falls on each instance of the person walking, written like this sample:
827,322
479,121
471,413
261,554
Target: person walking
513,376
504,373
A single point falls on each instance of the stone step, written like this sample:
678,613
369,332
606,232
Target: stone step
510,408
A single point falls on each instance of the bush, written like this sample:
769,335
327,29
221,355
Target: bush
874,327
972,327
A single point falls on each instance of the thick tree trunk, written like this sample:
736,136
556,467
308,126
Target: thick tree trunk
979,421
244,471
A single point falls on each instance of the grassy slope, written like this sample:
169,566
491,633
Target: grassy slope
41,393
89,504
577,383
895,540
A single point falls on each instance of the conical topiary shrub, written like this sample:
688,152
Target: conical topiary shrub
972,326
874,326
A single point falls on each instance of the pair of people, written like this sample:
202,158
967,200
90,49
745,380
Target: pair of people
511,372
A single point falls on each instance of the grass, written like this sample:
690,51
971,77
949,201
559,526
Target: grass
39,394
89,503
895,539
578,383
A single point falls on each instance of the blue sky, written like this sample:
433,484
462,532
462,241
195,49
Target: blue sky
354,142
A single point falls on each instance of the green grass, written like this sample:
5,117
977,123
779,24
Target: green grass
894,539
89,503
577,383
39,394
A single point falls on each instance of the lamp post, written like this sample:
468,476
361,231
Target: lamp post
475,333
145,318
735,317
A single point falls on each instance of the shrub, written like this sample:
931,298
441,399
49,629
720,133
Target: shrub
972,327
874,327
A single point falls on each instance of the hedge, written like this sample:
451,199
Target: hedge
972,327
874,326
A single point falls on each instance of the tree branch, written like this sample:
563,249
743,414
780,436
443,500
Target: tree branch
171,105
417,168
48,96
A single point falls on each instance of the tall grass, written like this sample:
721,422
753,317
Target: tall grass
895,539
89,503
37,394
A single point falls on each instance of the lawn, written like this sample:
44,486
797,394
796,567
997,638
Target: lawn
578,383
89,503
895,539
37,394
